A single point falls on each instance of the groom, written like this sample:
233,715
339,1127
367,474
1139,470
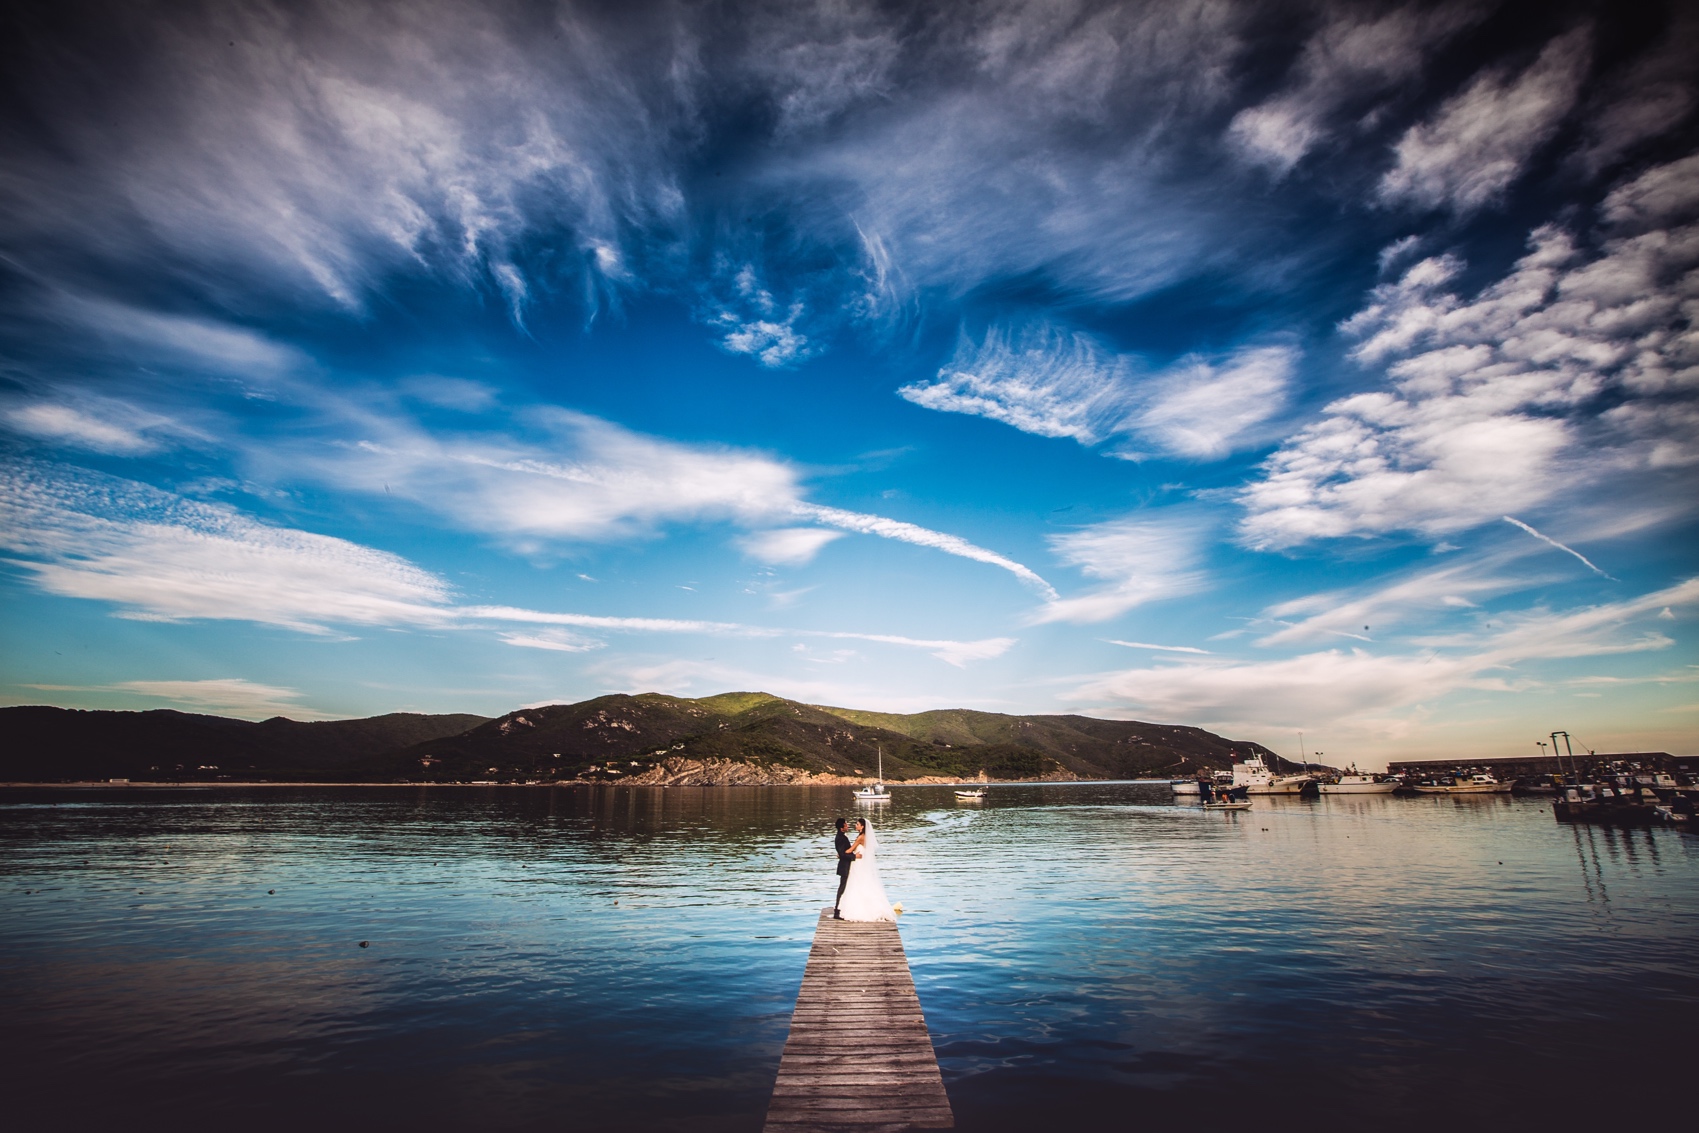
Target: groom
841,845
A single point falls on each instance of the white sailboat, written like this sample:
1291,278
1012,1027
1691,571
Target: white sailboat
878,793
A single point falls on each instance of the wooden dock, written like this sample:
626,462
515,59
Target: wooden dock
858,1057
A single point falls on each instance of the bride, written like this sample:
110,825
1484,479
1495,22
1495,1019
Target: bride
864,896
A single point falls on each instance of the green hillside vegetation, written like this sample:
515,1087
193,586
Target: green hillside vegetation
607,738
618,736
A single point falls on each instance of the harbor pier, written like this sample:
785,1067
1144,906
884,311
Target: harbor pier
858,1057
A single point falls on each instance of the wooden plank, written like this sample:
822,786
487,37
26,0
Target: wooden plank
858,1057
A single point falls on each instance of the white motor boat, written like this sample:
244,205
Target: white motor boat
975,793
878,793
1356,783
1228,806
1184,786
1472,785
1255,776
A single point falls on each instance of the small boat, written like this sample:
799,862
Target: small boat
1246,805
976,793
1184,786
1473,785
878,793
1354,782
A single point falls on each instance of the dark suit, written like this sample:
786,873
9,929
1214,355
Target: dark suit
845,859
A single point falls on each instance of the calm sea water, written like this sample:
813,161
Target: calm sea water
1088,956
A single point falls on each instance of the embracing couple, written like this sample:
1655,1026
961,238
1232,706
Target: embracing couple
860,895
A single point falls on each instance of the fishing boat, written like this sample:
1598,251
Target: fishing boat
1228,805
1354,782
1477,784
974,793
878,792
1255,776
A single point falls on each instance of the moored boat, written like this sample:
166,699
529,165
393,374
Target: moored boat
878,792
1255,776
1477,784
1354,782
1185,786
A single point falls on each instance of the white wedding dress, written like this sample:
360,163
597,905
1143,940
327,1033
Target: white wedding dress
864,896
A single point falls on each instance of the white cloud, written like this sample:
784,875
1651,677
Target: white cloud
160,557
231,695
1041,380
956,653
1661,196
1205,410
1565,548
1478,143
754,326
556,642
1350,61
1338,687
1139,561
182,340
78,428
1493,405
787,546
1054,383
1384,606
1160,648
920,537
770,343
331,143
581,478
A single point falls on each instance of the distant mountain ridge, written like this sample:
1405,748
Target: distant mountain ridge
606,738
56,744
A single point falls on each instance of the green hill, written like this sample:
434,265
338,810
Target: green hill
609,737
624,735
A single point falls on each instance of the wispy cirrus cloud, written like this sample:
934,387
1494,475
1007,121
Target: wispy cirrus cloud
573,477
1054,383
787,546
231,696
957,653
157,556
1137,561
95,425
1470,152
1337,687
1354,60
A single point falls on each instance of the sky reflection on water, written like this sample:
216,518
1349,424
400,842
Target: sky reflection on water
628,958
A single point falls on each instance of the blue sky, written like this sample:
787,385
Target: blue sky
1306,368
